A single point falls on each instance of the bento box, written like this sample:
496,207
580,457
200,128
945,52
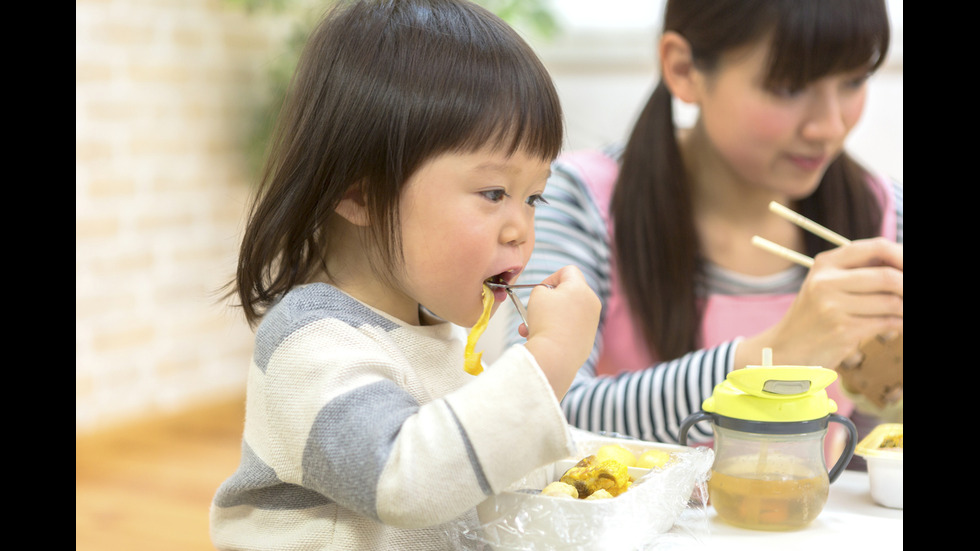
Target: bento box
522,518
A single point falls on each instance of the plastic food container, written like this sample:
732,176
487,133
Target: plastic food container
521,519
883,450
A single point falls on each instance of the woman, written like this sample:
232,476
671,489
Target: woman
662,227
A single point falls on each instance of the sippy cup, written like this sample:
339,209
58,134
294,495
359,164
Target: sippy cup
769,423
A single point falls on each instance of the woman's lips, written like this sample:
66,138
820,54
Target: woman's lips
808,163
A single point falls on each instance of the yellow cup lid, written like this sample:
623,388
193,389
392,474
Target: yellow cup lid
774,393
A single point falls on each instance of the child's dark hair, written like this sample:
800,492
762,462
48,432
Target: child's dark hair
382,87
656,242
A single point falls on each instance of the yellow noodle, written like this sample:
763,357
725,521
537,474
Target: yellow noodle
473,363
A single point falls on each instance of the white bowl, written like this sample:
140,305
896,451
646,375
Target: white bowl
885,465
520,518
886,476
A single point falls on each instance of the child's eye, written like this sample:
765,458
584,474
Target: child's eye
494,195
534,200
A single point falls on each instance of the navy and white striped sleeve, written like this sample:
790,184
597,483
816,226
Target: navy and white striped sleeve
648,404
898,194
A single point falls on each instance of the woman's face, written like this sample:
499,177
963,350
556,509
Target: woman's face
466,217
779,139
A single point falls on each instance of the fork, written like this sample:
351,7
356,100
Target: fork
521,311
506,286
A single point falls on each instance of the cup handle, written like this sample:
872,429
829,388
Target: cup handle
845,457
689,422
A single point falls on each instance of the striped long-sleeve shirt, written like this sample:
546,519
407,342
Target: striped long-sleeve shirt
364,432
651,403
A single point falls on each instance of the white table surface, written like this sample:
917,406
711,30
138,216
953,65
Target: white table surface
849,520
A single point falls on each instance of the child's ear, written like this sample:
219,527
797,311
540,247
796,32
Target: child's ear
353,208
677,67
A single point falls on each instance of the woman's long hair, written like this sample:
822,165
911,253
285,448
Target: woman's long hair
657,246
381,87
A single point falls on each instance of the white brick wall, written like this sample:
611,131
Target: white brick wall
165,91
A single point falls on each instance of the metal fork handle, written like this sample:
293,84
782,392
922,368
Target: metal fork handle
521,311
519,286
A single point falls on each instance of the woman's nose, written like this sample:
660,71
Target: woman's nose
826,120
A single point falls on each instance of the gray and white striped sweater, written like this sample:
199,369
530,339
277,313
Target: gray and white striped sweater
363,432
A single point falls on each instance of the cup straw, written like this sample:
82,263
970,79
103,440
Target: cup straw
760,467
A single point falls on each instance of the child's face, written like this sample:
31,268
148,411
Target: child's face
466,217
780,140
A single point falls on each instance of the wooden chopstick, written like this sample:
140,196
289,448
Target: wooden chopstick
779,250
806,224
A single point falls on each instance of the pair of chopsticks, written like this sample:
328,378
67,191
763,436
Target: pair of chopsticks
806,224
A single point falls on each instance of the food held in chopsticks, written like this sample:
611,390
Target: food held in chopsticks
472,362
880,374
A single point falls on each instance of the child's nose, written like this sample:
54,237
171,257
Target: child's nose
518,229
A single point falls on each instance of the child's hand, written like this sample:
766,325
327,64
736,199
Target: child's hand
563,323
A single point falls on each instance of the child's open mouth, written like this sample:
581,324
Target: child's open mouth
499,292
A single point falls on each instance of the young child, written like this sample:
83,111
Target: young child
410,155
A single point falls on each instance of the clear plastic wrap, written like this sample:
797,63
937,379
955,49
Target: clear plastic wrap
639,518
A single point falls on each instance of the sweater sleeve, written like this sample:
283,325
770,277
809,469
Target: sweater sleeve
651,403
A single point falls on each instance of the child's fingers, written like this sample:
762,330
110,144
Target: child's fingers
564,275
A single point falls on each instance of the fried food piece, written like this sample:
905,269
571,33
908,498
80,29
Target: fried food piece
653,459
591,475
560,489
472,359
601,494
616,452
880,375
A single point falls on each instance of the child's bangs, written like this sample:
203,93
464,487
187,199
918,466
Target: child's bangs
483,88
451,79
817,39
516,109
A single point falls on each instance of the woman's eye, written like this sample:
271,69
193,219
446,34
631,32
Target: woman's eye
537,199
784,92
494,195
858,82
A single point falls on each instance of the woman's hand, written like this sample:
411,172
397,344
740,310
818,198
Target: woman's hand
852,293
564,321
